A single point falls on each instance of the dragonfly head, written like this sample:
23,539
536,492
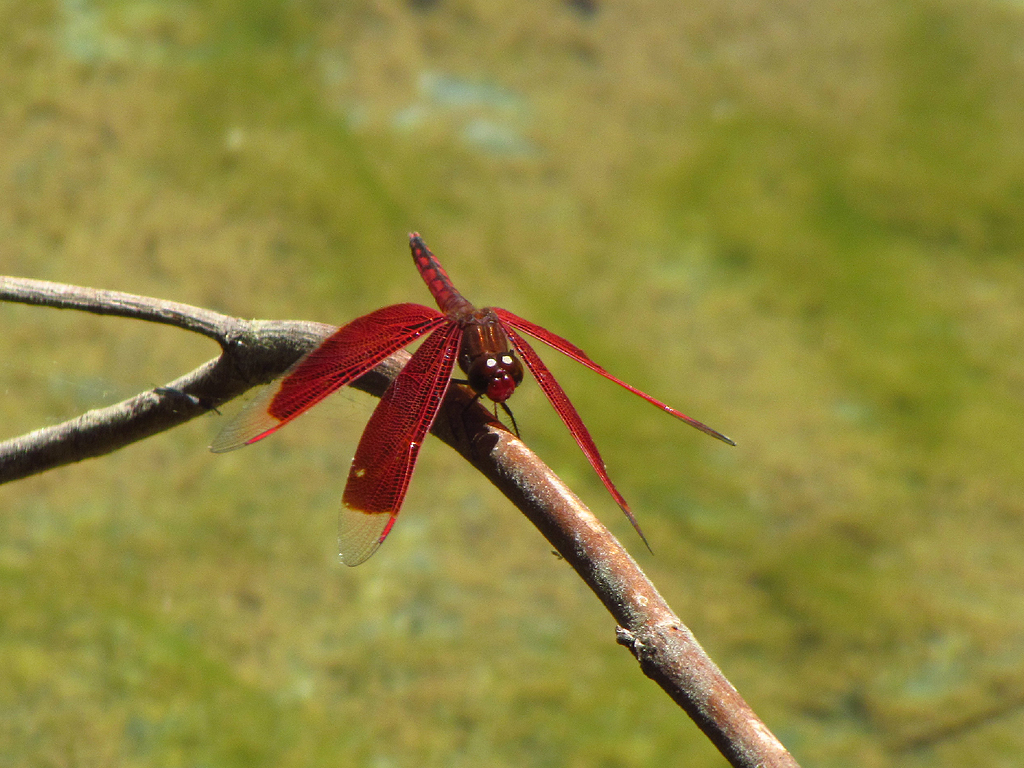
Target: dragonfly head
496,376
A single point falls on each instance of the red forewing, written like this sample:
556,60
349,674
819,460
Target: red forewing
572,419
387,452
566,347
342,357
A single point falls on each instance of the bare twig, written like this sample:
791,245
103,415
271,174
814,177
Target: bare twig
253,352
256,351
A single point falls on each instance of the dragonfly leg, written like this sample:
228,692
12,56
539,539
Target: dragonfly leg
508,411
504,407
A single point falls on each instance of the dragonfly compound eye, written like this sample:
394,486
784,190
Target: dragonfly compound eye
495,376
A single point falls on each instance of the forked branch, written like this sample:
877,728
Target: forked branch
256,351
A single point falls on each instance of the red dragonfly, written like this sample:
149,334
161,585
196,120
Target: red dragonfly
483,341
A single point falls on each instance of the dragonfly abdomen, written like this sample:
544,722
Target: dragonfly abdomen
450,301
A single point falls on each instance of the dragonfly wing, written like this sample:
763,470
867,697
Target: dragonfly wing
566,347
387,452
341,358
567,412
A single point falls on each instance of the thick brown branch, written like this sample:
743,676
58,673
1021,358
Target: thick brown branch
667,651
256,351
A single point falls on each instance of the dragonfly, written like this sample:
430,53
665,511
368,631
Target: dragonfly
485,343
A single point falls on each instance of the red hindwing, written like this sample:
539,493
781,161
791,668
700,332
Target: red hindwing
387,452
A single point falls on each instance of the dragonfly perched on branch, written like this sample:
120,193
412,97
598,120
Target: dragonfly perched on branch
487,346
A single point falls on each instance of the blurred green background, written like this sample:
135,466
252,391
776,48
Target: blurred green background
802,223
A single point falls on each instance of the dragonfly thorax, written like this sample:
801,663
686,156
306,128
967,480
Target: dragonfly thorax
487,358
